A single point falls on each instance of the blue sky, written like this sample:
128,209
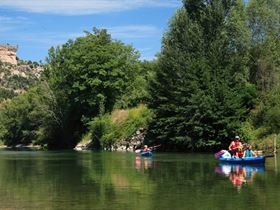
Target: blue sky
36,25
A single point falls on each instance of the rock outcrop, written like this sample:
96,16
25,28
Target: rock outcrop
8,54
130,144
133,142
16,76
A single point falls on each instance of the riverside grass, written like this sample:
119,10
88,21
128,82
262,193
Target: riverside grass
110,129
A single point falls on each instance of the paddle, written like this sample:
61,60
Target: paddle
155,146
151,148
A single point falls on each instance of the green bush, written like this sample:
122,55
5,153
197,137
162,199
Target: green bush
31,117
266,144
107,130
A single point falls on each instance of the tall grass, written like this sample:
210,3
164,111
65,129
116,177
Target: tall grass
107,130
260,137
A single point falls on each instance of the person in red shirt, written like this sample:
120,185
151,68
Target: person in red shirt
146,148
235,147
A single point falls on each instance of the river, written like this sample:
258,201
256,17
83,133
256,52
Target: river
114,180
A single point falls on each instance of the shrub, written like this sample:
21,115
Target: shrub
107,130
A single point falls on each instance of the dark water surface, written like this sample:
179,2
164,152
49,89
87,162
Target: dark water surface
111,180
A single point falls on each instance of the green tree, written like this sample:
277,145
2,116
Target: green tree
30,117
199,94
264,23
88,75
137,89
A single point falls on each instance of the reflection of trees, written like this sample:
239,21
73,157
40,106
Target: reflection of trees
189,182
91,180
183,182
32,180
39,178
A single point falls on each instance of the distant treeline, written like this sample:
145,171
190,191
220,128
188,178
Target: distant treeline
217,75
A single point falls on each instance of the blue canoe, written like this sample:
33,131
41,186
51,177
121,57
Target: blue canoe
147,154
246,160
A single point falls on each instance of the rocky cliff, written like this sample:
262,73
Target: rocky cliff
8,54
17,78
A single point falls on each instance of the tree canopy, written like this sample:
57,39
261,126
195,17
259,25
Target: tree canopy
201,92
217,76
85,78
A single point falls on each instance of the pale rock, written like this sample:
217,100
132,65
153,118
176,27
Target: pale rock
8,54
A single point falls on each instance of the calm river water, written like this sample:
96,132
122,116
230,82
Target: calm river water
112,180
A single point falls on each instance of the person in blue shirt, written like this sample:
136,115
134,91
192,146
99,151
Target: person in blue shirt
248,152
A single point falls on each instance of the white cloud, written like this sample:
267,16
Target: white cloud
11,20
44,38
83,7
10,23
125,32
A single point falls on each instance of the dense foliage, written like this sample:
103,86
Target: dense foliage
202,90
30,118
217,75
84,78
106,130
88,76
264,24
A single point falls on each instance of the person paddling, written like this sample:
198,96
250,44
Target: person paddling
235,147
248,152
146,148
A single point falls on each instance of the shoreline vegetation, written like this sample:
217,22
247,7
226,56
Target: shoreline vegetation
217,75
22,147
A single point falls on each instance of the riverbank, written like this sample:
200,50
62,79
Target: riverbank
21,147
128,144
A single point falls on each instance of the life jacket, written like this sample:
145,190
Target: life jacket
234,145
248,153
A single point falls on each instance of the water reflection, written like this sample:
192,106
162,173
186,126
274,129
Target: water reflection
275,163
143,163
239,174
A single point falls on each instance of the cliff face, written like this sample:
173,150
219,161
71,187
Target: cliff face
16,79
16,76
8,54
